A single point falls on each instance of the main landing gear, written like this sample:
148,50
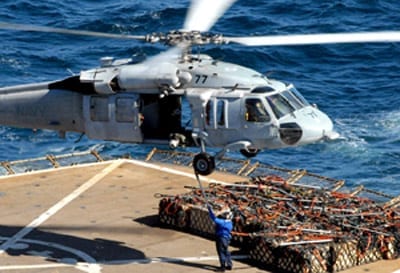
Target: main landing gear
204,163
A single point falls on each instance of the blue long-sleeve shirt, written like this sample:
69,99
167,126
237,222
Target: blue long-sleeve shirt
223,228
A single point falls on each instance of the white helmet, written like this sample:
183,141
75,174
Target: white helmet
226,214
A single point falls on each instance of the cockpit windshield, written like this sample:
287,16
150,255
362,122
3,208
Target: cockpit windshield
286,102
298,96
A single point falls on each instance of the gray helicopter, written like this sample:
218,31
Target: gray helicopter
178,98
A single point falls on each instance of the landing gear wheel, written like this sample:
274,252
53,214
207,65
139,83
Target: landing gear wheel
249,153
203,164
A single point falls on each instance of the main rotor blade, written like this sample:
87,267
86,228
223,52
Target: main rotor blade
24,27
203,14
312,39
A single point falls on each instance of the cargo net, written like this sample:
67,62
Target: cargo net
246,168
292,222
49,161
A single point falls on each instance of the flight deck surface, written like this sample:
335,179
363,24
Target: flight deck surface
102,217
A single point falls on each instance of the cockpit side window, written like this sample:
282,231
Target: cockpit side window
255,111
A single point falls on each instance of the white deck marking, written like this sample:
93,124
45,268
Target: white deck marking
33,266
124,262
171,260
58,206
90,265
172,171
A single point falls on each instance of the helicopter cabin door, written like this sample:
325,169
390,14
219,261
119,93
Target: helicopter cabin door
221,120
114,117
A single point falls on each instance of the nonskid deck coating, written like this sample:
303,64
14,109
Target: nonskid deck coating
102,217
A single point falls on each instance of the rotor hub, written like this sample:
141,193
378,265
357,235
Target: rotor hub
176,37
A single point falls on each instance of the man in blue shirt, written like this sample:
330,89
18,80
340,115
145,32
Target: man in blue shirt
223,228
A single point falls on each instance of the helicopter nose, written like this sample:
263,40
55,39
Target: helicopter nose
308,125
316,126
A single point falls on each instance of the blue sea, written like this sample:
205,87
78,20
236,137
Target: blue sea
357,85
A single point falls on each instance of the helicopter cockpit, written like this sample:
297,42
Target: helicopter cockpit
285,109
286,102
281,102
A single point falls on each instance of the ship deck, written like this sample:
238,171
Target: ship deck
103,217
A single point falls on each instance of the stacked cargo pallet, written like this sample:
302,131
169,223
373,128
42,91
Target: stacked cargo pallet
298,228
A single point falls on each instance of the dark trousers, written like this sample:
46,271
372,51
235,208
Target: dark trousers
223,253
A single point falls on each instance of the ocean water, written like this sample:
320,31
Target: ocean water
357,85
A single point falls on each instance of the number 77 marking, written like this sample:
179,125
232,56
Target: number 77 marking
198,77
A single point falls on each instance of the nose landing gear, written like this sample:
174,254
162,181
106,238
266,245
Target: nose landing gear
249,152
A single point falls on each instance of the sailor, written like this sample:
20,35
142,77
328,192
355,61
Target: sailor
223,229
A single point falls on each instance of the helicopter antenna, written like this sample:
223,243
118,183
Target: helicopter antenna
269,73
198,52
79,138
71,72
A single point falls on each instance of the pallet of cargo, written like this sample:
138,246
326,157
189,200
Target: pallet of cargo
295,226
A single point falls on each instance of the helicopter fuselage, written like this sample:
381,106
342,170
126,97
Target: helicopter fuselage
184,101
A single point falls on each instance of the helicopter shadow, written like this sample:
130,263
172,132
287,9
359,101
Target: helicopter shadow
71,250
68,249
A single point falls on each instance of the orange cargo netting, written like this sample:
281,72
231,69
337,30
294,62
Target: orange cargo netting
298,228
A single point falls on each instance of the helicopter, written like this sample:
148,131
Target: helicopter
228,106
